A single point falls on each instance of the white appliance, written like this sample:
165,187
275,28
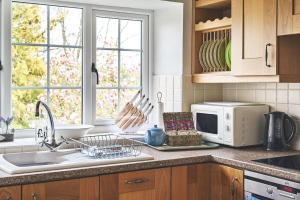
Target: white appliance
231,123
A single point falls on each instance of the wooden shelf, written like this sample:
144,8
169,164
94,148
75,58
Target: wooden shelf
227,77
217,24
213,4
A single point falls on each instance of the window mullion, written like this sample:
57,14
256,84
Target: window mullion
119,63
48,55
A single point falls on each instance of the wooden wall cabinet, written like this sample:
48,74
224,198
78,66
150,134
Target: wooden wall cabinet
288,17
207,181
76,189
10,193
254,37
146,185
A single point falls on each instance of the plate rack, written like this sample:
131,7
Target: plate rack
214,55
212,25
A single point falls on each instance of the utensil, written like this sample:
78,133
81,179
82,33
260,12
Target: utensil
139,118
127,107
130,112
135,116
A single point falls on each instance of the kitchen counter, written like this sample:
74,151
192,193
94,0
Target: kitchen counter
239,158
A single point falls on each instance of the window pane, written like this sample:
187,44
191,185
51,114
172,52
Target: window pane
29,66
126,95
65,26
65,66
131,34
106,32
130,71
66,105
29,23
106,103
24,102
107,65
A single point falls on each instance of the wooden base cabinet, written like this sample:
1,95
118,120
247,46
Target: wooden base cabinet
10,193
76,189
191,182
140,185
226,183
207,182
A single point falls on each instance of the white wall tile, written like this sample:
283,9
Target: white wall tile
178,82
294,96
282,96
229,95
271,86
294,110
294,86
261,86
178,95
170,88
282,86
260,96
177,106
229,86
198,96
246,95
282,107
271,96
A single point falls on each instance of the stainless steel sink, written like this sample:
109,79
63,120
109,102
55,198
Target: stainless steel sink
27,162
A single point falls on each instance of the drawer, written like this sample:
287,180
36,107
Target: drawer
136,181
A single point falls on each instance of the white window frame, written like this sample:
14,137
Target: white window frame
144,56
88,80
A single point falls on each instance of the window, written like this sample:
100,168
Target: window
119,55
53,46
46,61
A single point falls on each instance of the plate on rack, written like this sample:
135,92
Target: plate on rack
204,56
207,56
200,56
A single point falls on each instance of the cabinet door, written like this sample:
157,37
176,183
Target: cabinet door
10,193
226,183
288,17
76,189
254,37
191,182
145,185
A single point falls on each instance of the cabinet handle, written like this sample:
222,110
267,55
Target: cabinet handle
234,188
267,54
9,197
136,181
34,196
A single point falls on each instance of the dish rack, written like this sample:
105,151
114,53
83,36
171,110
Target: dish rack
107,146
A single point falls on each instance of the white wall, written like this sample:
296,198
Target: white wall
168,40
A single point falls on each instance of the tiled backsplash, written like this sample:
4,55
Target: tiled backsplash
179,93
283,97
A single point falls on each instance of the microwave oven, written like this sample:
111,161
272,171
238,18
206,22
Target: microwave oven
230,123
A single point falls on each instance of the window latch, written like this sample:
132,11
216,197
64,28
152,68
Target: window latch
1,66
94,70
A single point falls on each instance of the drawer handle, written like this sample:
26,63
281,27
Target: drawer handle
267,54
136,181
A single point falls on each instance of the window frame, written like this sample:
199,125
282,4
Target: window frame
143,50
88,79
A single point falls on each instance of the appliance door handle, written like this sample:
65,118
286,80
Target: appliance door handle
267,54
234,188
94,70
286,195
293,127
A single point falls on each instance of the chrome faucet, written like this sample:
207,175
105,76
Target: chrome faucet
53,145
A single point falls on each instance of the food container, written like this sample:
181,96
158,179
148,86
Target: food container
183,138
